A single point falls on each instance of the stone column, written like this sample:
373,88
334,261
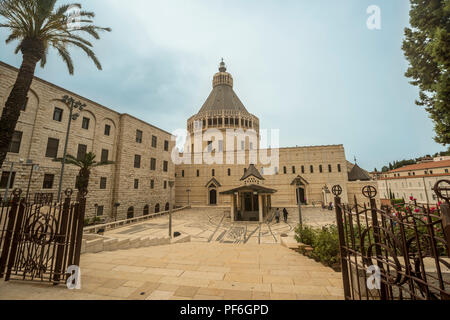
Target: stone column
260,201
233,206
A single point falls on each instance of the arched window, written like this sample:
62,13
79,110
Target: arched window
157,208
130,213
167,208
146,210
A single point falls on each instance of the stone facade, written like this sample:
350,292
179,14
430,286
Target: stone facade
37,125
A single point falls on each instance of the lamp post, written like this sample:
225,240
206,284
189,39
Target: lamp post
34,167
5,197
72,104
171,184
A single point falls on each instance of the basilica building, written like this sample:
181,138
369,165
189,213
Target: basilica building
247,185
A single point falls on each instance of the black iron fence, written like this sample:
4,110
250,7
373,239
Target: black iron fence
398,253
39,241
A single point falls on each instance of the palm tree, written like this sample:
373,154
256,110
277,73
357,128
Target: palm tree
39,25
85,164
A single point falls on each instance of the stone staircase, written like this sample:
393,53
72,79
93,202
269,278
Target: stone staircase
93,243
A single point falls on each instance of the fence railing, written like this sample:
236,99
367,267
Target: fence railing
398,253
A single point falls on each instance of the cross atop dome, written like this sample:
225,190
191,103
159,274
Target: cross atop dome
222,67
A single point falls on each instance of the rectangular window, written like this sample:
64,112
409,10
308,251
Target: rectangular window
107,129
198,173
154,142
303,169
103,183
152,184
100,210
251,145
229,172
165,166
226,121
321,168
182,173
293,169
82,150
85,123
284,170
52,148
339,168
57,114
105,155
4,180
311,169
48,181
242,145
330,169
153,164
213,172
210,144
14,146
139,136
165,184
166,145
220,145
137,161
136,183
446,170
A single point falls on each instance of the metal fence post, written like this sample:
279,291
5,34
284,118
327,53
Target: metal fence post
9,232
342,248
445,213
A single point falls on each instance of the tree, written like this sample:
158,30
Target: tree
427,48
85,164
38,26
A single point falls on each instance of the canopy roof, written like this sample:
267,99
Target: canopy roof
252,171
251,188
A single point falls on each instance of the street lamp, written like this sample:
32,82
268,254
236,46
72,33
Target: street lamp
171,184
34,167
300,219
72,104
5,198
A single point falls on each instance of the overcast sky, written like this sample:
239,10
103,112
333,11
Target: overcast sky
310,68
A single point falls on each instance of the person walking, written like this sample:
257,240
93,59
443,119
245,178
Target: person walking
277,215
285,215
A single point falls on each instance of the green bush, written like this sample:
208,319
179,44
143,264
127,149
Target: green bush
397,201
305,235
326,246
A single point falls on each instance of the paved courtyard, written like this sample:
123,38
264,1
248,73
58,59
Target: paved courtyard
203,271
214,225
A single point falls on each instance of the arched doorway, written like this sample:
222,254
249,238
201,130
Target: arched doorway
212,197
130,213
146,210
301,195
167,207
157,208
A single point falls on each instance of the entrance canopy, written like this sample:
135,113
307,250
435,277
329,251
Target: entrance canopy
250,202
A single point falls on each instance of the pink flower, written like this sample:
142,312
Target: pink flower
411,198
416,210
439,203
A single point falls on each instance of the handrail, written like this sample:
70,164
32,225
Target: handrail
121,223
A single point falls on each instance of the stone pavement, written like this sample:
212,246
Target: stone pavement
214,225
200,271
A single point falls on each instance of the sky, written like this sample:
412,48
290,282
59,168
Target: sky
312,69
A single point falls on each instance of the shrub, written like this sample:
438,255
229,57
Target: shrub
326,246
305,235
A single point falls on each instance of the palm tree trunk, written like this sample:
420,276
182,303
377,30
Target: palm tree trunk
32,53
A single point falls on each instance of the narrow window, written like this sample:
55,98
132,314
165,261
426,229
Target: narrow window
198,173
139,136
166,166
153,164
103,183
14,146
213,172
284,170
330,169
136,183
137,161
321,168
182,173
105,155
4,180
339,168
82,149
229,172
100,210
152,184
57,114
24,106
85,123
311,169
52,148
166,145
165,184
107,129
303,169
48,181
293,169
154,142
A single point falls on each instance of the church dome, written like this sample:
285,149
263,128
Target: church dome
223,97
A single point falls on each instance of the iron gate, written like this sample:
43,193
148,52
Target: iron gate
38,241
395,253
